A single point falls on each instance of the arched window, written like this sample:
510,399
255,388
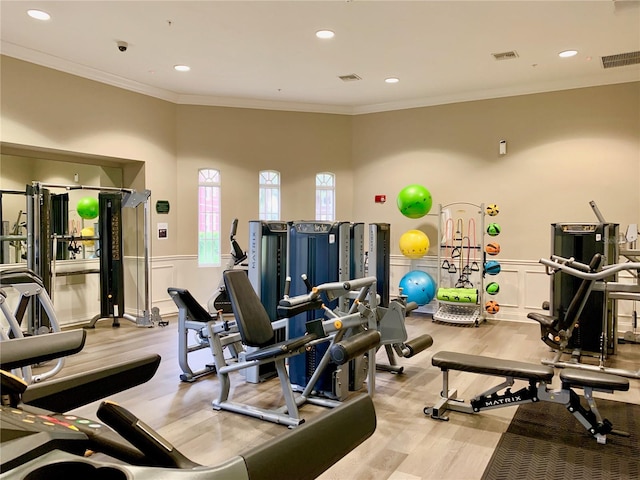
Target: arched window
269,208
325,196
209,217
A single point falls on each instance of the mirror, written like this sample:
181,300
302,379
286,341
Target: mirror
20,171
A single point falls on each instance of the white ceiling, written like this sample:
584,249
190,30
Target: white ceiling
264,54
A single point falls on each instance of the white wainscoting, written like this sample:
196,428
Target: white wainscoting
183,271
524,286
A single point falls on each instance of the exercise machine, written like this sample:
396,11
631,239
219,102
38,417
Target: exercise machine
582,241
219,301
391,312
192,317
47,227
395,340
318,252
267,273
538,379
256,330
356,250
379,258
40,442
32,294
557,332
268,262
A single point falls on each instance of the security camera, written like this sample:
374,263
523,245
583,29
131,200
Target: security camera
122,46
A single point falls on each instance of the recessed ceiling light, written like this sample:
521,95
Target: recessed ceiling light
38,14
392,80
325,34
568,53
182,68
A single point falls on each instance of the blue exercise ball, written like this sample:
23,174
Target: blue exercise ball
418,286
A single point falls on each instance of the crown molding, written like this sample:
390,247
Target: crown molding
609,77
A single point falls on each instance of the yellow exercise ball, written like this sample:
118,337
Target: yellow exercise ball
88,232
414,244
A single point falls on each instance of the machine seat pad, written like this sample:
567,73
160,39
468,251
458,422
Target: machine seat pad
546,321
183,299
491,366
572,377
281,348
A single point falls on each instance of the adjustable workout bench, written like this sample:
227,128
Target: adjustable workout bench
538,377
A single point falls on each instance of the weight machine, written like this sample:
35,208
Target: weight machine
47,228
590,274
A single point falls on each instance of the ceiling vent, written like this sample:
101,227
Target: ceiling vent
505,55
621,59
352,77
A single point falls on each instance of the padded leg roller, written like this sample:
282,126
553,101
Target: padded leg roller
418,344
354,346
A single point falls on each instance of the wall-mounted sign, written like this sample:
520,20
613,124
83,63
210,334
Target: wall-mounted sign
163,231
162,206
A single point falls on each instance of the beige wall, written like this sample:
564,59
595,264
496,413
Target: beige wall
240,143
48,109
563,150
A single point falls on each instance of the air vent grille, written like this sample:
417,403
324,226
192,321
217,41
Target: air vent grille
621,59
505,55
352,77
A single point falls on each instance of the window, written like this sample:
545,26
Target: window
325,196
208,217
269,208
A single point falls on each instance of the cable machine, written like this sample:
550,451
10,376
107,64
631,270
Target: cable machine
47,228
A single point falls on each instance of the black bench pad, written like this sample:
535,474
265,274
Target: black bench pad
491,366
572,377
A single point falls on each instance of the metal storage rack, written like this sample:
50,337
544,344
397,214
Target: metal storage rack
461,261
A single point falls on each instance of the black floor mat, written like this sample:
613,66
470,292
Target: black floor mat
544,441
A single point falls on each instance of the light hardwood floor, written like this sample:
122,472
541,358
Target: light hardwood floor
407,445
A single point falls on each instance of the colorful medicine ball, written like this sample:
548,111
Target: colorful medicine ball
414,201
87,208
492,248
492,288
418,286
492,267
493,229
492,210
492,307
414,244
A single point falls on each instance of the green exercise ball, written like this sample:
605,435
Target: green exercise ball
87,208
414,201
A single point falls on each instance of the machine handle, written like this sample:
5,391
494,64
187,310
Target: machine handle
607,271
306,281
234,228
156,449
